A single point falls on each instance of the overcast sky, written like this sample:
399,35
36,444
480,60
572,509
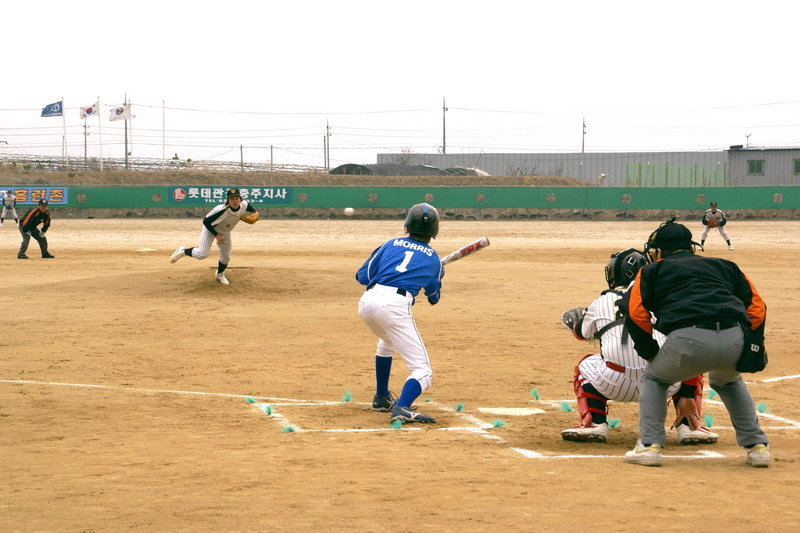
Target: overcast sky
518,76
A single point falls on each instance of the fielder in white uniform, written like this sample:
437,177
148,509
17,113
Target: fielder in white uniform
719,218
394,274
217,226
616,372
9,207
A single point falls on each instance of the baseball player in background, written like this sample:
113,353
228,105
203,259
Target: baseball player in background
616,372
394,274
217,226
714,218
9,207
28,228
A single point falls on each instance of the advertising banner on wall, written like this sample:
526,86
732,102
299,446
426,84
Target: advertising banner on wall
216,195
31,195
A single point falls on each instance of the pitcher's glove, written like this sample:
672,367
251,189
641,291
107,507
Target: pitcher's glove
572,317
250,217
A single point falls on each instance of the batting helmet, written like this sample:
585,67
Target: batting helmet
422,219
623,267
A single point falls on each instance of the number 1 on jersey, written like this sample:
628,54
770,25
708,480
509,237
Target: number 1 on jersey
407,259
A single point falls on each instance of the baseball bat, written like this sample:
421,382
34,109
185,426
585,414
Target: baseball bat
464,251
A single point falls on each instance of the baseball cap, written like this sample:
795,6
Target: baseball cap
43,202
670,236
713,204
233,192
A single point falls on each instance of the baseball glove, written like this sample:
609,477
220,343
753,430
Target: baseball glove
250,218
570,317
712,222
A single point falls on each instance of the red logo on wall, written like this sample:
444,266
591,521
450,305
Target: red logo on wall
179,194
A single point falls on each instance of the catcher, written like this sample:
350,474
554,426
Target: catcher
714,218
217,226
616,372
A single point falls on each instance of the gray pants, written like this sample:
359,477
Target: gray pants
26,238
687,353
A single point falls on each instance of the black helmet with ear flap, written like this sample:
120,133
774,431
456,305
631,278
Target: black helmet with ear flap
669,237
623,267
422,219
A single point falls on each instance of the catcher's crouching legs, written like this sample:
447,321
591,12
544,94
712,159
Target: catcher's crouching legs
592,409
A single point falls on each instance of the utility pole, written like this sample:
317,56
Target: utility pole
444,126
241,157
327,145
583,137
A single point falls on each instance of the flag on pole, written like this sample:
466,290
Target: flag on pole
89,111
52,110
121,113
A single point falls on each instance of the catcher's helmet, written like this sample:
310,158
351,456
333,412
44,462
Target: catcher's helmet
669,237
623,267
422,219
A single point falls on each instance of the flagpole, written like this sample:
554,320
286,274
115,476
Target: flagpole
64,142
100,133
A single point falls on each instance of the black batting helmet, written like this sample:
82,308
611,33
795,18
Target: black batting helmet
422,219
623,267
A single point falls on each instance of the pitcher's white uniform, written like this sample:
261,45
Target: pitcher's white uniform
9,207
719,216
223,219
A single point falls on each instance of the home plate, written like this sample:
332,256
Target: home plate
146,250
511,411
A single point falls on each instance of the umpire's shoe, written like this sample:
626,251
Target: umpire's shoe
22,256
48,256
408,414
758,455
383,404
649,455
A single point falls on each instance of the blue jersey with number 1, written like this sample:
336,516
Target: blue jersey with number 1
406,264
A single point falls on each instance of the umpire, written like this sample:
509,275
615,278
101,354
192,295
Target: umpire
701,304
28,228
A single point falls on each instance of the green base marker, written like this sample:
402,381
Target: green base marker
708,420
347,396
762,407
565,407
427,399
498,423
268,410
287,429
250,400
535,394
613,422
459,407
397,424
711,394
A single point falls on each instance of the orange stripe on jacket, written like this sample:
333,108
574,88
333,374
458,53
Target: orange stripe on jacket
637,312
757,310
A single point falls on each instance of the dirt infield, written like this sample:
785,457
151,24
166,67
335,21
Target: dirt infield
124,388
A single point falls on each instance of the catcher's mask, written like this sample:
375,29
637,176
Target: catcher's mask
422,219
623,267
669,237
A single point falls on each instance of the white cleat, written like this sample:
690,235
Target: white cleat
645,455
222,279
177,254
591,433
730,247
758,455
701,435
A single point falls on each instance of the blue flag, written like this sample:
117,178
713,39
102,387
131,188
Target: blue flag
52,110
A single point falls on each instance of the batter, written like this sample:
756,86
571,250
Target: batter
394,274
217,226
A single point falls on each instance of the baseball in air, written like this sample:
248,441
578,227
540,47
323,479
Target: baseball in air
349,211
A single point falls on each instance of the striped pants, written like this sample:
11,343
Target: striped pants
207,239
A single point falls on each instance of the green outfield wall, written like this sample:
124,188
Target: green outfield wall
477,197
